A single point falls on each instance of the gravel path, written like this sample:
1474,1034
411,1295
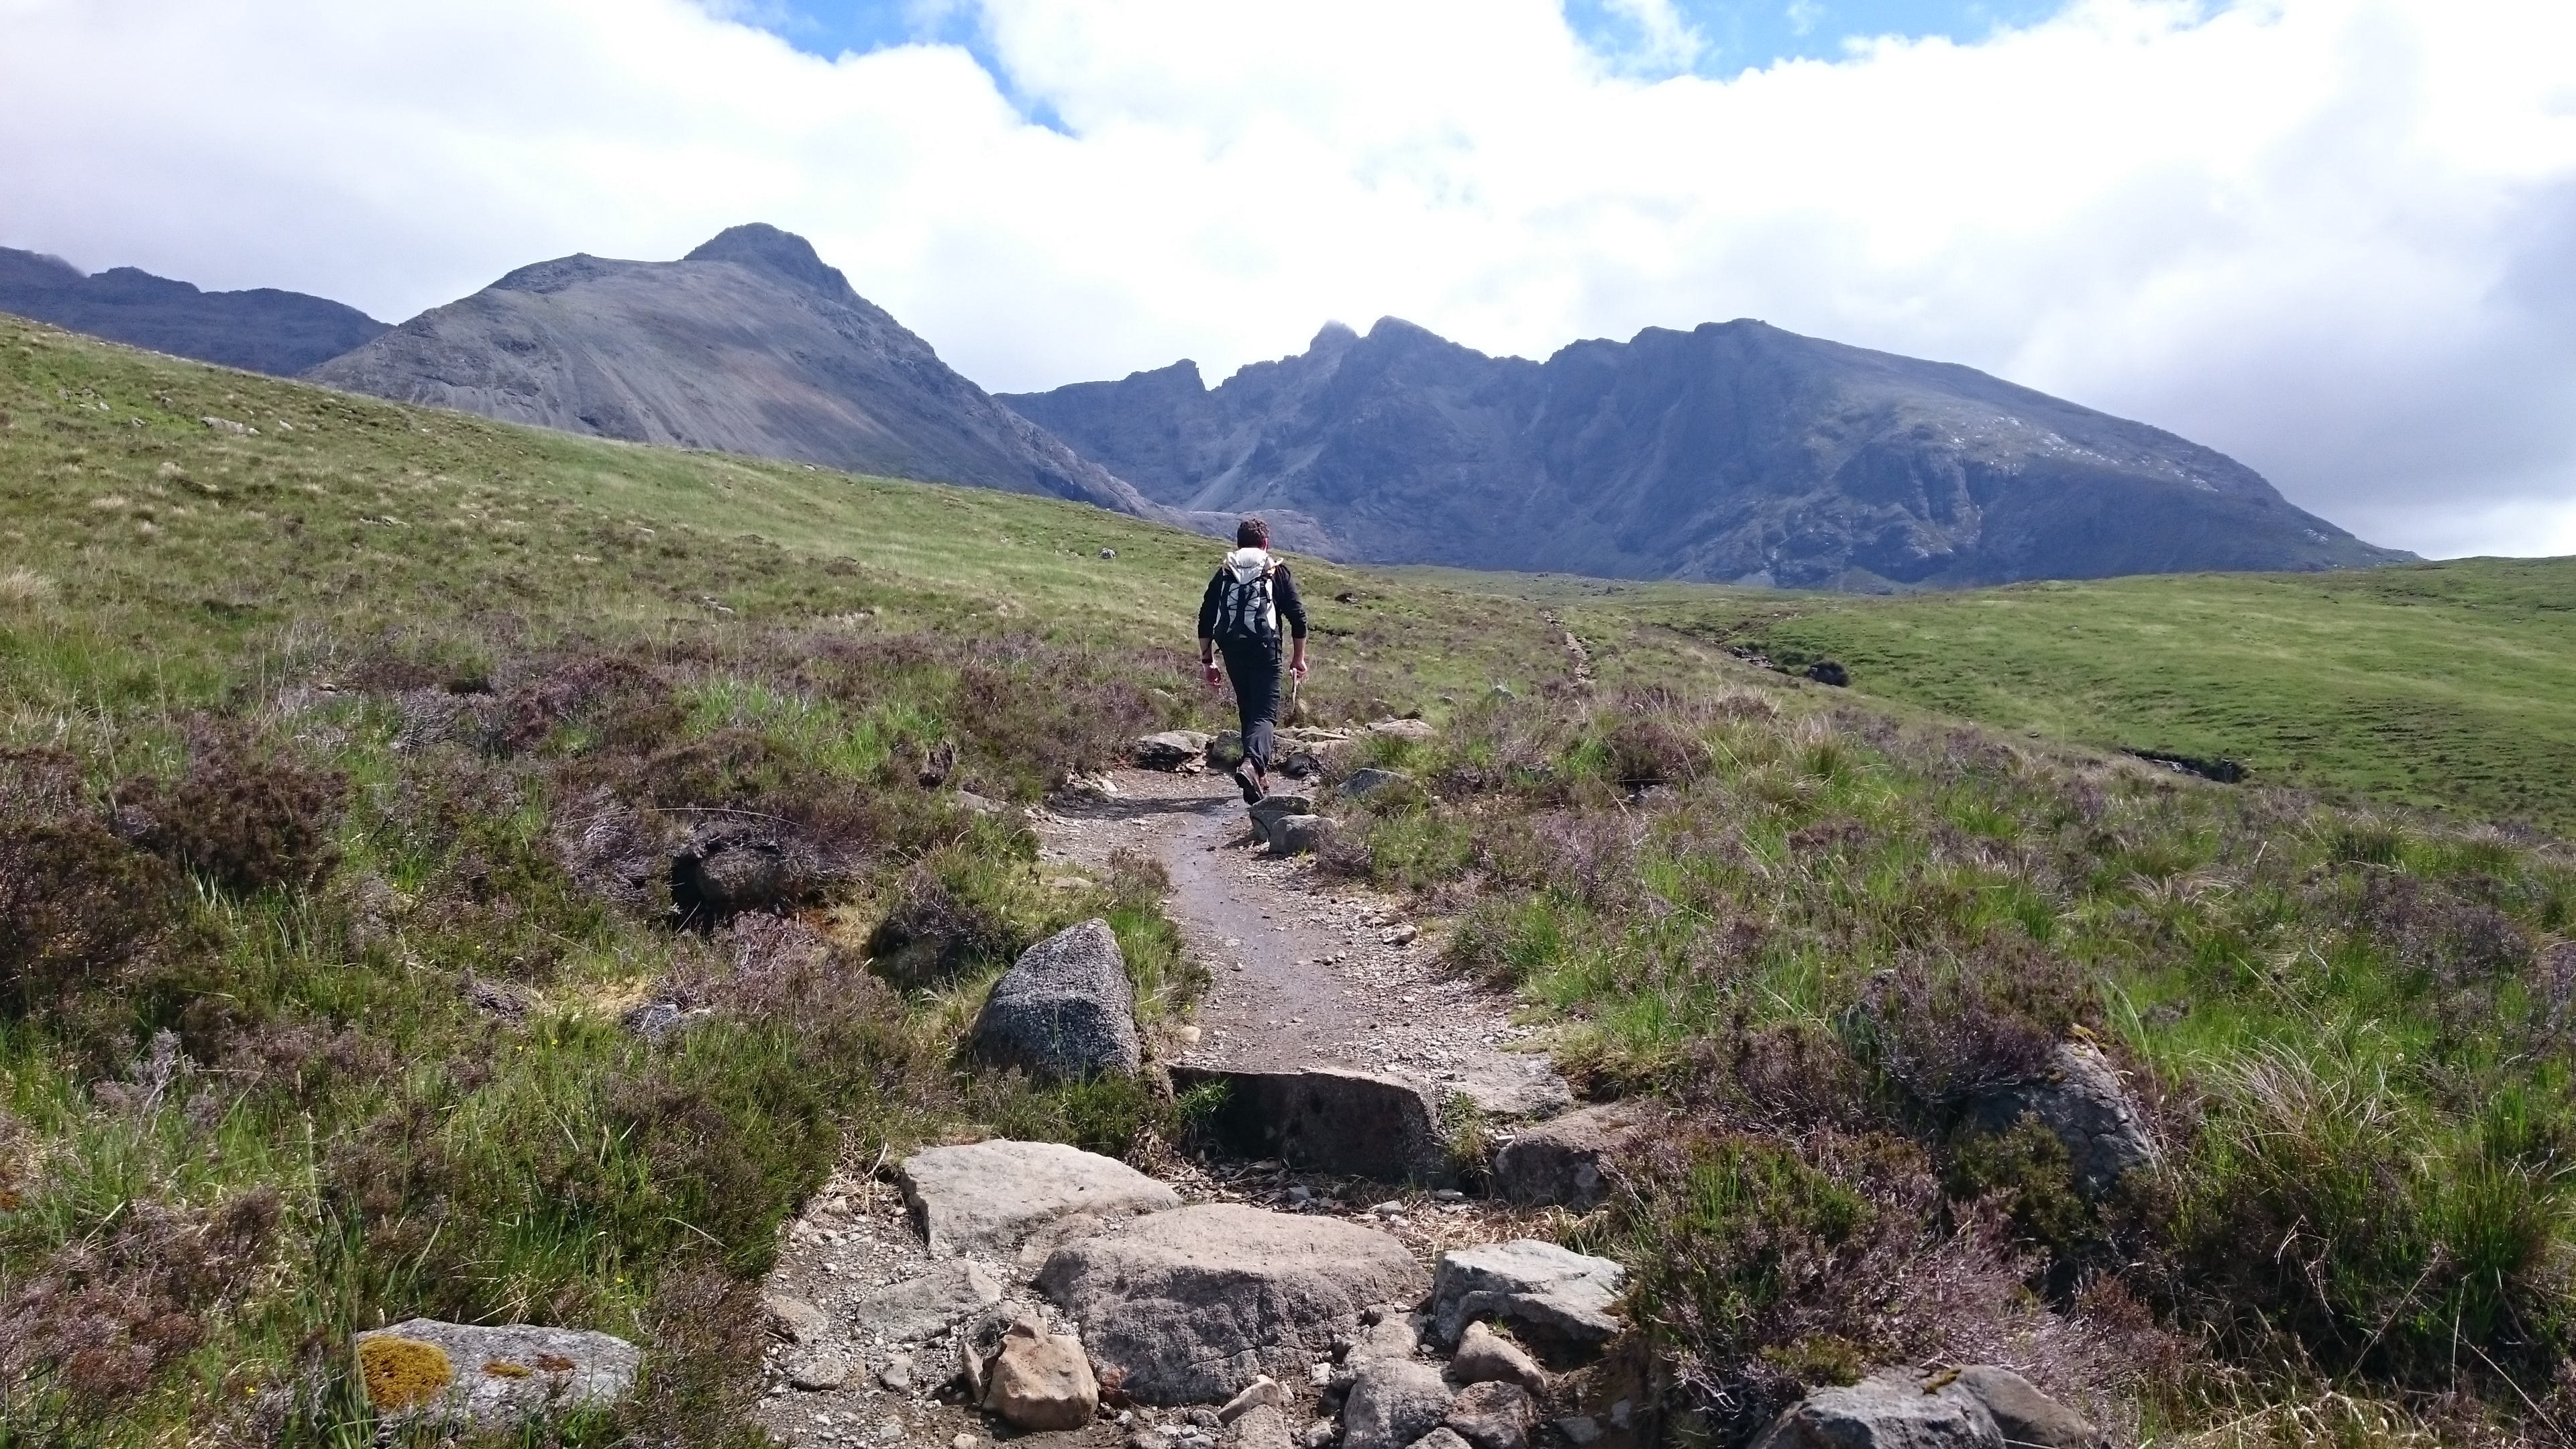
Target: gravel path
1306,972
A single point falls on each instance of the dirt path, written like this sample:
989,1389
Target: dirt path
1306,972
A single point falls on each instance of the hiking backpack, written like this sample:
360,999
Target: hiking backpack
1245,611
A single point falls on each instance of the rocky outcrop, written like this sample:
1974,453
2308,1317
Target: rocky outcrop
1984,1407
1732,453
986,1198
2082,1102
750,344
1567,1161
1545,1290
1191,1306
1065,1011
1326,1119
263,330
490,1376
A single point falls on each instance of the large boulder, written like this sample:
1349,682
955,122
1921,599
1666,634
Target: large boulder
1566,1161
1271,809
1982,1407
1547,1291
1193,1305
988,1197
490,1376
1884,1411
2081,1102
1169,750
1326,1119
1393,1402
1410,730
1065,1012
1299,834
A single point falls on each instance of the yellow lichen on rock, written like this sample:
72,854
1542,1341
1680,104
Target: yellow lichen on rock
402,1372
501,1368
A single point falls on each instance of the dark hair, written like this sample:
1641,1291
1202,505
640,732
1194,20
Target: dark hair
1252,533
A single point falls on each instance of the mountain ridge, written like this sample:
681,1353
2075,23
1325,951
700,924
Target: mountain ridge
1733,452
260,330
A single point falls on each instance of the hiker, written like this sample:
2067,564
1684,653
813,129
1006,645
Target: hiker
1240,615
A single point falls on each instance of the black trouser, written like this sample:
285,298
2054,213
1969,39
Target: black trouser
1253,665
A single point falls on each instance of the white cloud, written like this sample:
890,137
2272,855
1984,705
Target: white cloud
2336,238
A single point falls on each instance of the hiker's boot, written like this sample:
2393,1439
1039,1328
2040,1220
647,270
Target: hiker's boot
1250,779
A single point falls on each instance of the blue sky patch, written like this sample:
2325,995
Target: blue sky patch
1732,35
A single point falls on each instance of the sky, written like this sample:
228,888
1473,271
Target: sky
2334,238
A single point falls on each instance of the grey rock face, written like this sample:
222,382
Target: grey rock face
925,1306
1493,1415
750,344
1485,1356
1065,1011
987,1197
1196,1303
1551,1291
1564,1159
1443,1437
2084,1104
493,1376
1392,1403
1328,1120
1734,452
265,330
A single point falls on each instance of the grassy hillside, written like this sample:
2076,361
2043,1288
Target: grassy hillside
341,748
343,763
2449,685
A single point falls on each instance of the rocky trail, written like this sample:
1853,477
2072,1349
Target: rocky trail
1327,1281
1306,973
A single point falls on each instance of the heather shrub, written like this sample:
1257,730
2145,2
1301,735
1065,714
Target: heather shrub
245,822
78,908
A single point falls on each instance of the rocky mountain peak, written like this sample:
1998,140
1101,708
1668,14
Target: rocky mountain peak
780,253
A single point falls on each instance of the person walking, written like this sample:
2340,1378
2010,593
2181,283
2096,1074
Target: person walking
1239,615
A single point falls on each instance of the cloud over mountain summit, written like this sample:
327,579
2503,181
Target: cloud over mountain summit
2334,238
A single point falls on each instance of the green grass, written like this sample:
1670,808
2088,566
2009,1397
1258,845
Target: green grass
2447,685
409,675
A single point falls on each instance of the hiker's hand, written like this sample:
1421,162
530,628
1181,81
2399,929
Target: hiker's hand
1298,669
1215,675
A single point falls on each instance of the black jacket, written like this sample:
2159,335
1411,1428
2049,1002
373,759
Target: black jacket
1283,597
